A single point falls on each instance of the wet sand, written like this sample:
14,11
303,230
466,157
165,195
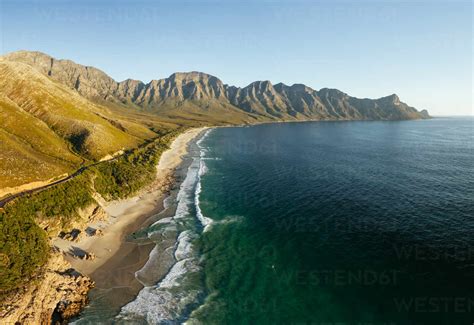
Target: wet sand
116,259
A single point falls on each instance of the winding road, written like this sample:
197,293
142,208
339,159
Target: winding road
78,172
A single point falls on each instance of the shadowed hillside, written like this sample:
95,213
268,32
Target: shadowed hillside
57,113
59,117
48,129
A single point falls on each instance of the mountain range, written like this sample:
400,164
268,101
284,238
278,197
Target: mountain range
56,114
260,99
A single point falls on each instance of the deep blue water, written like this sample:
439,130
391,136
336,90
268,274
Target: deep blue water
339,222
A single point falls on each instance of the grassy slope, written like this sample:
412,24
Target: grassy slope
24,245
26,142
48,128
51,127
197,113
67,113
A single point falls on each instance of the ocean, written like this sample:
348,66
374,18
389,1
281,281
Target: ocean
366,222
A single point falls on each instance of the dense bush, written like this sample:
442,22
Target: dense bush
23,244
23,249
61,201
129,173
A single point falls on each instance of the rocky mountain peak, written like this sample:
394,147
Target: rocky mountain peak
88,81
392,99
190,76
195,85
301,88
330,92
261,86
260,98
36,57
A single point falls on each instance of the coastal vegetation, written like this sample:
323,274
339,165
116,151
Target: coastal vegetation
49,129
59,117
129,173
24,249
24,245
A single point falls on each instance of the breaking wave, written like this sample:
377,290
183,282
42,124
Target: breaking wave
171,275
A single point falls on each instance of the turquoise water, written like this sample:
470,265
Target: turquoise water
338,222
313,223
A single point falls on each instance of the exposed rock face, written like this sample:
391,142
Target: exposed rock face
88,81
67,116
179,87
76,227
260,99
58,294
302,100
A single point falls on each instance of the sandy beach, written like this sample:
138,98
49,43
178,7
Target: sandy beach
117,260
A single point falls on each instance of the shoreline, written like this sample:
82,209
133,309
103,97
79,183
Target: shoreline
116,259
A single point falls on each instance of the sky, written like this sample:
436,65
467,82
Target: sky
420,50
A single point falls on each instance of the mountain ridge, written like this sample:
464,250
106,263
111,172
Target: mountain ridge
49,129
260,99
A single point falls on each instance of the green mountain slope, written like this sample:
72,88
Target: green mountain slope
66,113
61,112
56,115
48,129
29,150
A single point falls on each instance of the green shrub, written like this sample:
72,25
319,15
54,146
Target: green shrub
24,247
23,244
59,202
129,173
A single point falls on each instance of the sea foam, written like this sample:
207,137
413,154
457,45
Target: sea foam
169,299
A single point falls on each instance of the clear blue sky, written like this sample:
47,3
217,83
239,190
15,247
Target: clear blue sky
422,51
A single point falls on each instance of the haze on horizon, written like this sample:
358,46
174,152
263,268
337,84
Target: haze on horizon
421,51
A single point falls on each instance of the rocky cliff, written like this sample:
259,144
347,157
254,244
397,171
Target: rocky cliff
52,113
57,294
260,99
